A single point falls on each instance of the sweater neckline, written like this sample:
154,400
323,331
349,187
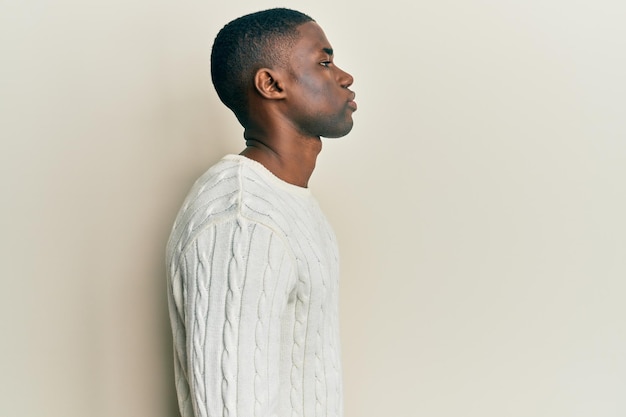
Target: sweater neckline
268,175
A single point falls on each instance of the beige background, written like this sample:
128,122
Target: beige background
479,201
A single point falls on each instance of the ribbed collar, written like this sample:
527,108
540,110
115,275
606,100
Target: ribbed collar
268,175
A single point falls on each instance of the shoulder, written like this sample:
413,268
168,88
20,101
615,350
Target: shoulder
236,190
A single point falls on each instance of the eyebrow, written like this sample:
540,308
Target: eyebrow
329,51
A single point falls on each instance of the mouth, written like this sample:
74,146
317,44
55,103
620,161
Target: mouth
351,103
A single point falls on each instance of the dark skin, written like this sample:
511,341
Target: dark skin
294,106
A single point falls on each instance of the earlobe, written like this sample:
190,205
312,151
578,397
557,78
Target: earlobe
268,84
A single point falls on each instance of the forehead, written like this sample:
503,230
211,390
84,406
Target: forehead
312,39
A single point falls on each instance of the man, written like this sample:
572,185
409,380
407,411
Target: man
252,262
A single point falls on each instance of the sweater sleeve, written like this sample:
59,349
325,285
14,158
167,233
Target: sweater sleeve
230,289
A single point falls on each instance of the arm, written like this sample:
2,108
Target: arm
235,278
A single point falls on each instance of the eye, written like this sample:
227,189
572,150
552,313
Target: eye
326,63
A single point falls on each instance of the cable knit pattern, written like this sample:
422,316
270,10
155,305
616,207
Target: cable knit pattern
252,286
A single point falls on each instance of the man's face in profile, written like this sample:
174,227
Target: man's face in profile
319,102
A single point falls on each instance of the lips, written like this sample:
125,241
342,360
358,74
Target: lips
352,103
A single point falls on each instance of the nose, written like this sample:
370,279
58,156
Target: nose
345,79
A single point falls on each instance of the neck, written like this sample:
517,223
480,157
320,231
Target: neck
292,160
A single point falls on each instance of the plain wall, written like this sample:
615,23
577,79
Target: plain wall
479,201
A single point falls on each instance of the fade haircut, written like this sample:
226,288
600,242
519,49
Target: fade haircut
248,43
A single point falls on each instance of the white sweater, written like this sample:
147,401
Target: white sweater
252,285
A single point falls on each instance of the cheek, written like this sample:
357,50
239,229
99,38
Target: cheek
314,87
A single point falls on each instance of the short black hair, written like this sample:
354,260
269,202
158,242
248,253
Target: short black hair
246,44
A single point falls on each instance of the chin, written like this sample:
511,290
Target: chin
338,133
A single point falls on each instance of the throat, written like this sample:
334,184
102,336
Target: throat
294,165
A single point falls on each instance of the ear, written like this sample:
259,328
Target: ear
269,84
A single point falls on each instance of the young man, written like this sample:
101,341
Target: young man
252,262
